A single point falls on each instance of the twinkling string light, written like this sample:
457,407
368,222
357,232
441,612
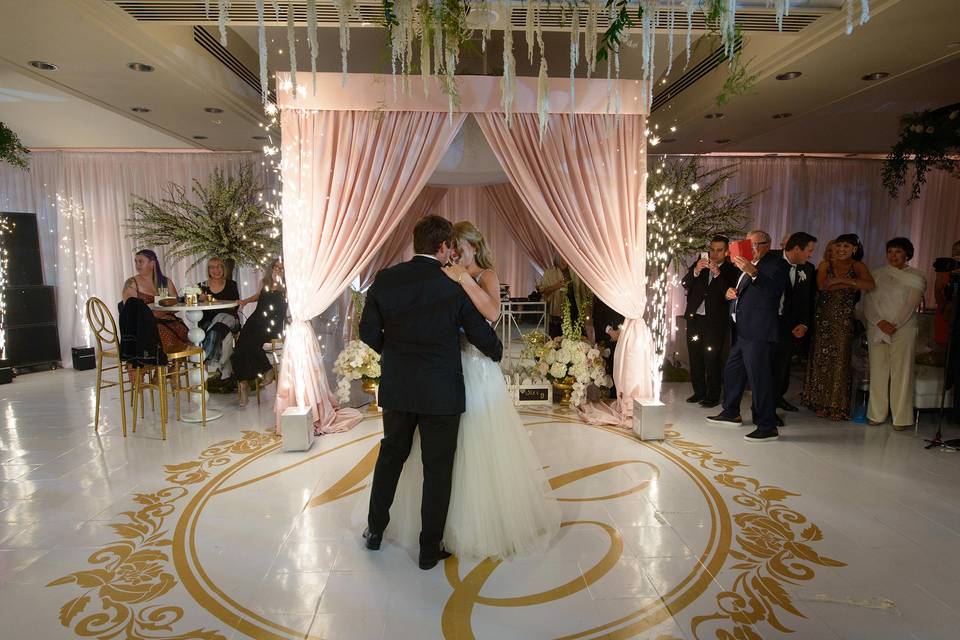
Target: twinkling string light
6,229
76,226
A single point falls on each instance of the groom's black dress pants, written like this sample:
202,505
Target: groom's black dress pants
438,442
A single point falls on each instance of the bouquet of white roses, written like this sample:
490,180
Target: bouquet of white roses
567,360
356,361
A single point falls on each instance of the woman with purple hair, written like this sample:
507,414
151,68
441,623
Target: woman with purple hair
150,279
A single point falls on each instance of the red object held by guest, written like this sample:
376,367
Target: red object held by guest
743,248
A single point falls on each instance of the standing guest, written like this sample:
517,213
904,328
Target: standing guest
890,310
150,280
841,281
264,324
708,319
560,283
607,323
218,324
755,306
941,325
796,310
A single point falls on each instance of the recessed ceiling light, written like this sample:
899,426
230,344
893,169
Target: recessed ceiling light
789,75
140,109
722,141
713,116
781,116
140,66
259,137
199,137
668,140
213,109
43,66
878,75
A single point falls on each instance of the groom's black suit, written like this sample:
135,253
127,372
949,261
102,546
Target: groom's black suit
412,318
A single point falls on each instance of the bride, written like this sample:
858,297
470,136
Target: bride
500,502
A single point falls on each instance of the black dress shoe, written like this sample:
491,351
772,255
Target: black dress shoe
709,404
694,399
735,421
430,560
372,540
786,406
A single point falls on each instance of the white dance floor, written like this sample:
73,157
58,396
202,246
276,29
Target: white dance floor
835,531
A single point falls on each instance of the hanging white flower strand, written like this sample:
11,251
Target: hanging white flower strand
508,79
590,36
292,46
851,10
574,51
223,14
690,6
782,8
276,9
312,39
671,22
529,28
648,22
262,47
345,9
543,100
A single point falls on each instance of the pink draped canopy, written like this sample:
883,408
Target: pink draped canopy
356,158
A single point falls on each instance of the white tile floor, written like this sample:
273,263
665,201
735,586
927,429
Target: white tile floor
239,544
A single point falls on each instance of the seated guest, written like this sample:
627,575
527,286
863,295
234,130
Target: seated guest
708,319
150,280
264,324
218,324
560,282
840,280
796,309
892,335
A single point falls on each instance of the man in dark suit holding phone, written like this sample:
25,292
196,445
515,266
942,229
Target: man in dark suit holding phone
708,320
755,309
796,308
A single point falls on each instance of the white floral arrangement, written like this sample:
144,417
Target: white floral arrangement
191,291
356,361
566,360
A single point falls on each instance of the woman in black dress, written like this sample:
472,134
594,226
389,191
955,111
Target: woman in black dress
217,324
264,324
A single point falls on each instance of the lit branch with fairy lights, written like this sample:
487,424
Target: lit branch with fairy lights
686,206
6,228
76,229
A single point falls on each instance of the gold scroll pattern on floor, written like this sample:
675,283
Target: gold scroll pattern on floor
775,548
134,571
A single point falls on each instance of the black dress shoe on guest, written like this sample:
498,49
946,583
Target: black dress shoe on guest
709,404
372,540
725,420
694,399
430,560
786,406
762,436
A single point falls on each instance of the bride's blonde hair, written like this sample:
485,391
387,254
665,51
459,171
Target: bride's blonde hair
466,232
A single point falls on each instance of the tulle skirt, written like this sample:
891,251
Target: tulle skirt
501,504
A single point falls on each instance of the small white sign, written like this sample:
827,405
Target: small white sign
531,394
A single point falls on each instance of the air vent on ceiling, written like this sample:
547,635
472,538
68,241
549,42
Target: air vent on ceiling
691,76
552,16
203,38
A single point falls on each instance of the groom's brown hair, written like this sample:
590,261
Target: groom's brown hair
430,233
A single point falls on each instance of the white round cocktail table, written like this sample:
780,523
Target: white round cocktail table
193,313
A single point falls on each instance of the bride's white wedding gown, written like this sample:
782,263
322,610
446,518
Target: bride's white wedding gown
501,504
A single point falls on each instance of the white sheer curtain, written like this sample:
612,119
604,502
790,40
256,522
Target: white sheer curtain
830,196
84,245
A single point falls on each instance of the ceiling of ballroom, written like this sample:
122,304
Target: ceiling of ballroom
86,102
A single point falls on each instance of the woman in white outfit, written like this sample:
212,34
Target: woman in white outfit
500,502
890,310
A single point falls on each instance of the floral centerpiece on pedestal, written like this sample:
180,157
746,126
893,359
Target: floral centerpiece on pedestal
571,363
357,361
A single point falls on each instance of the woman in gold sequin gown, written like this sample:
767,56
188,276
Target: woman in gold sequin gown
840,281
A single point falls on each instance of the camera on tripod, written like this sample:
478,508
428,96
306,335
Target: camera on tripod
949,265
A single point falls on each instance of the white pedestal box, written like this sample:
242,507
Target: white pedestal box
649,418
296,426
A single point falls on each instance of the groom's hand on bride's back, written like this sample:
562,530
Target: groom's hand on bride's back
479,332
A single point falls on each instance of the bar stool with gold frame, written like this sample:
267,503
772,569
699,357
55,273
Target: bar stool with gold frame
192,358
108,346
156,381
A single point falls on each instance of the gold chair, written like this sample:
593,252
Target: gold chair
108,346
179,375
156,376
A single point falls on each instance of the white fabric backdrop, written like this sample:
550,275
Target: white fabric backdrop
85,249
830,196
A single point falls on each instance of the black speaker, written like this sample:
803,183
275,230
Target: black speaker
84,358
30,305
33,345
6,372
24,266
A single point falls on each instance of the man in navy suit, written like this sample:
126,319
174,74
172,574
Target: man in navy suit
755,309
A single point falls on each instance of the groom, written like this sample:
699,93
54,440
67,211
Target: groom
412,318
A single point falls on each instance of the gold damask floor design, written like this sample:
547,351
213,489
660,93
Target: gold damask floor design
660,540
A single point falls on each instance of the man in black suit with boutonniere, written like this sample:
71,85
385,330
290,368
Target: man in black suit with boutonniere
708,319
755,309
796,309
412,317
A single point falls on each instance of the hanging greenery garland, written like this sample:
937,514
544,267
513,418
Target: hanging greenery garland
11,150
928,140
